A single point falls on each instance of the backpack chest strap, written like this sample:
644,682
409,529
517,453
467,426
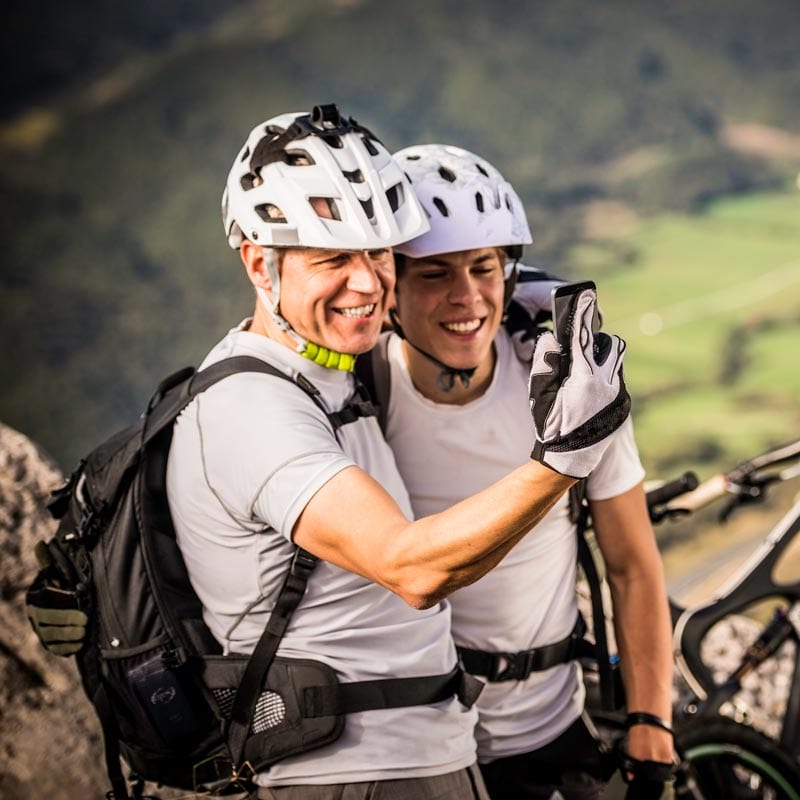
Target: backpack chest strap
518,666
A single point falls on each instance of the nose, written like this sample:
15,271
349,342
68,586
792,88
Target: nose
363,274
463,289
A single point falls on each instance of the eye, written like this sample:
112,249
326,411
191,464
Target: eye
332,260
433,274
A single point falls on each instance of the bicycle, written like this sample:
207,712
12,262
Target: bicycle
720,757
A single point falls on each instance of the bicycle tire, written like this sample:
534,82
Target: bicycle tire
730,761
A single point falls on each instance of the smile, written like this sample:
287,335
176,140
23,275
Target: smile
357,312
463,327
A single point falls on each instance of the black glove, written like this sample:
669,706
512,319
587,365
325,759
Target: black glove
647,780
56,618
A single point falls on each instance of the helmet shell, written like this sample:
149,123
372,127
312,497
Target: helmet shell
294,164
468,202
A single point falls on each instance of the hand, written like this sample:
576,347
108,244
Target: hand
647,780
577,392
56,618
651,776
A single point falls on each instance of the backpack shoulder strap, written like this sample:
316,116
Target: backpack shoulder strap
611,690
374,373
175,392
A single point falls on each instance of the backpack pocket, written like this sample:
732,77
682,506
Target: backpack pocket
281,725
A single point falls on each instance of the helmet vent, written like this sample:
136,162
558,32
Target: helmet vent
249,181
439,203
479,201
368,209
270,213
371,149
413,158
508,204
481,170
356,176
328,203
245,154
447,174
395,196
299,158
332,140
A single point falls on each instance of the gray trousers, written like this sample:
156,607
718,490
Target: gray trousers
466,784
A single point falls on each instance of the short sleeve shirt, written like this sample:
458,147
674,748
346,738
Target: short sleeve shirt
247,456
446,453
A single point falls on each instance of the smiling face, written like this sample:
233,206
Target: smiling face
335,298
451,305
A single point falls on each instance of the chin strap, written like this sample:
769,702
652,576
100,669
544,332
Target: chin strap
446,379
310,350
328,358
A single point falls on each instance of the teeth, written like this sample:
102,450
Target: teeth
359,311
463,327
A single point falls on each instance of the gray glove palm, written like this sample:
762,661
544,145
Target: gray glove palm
577,392
56,618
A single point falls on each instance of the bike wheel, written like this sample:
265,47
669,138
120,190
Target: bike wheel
723,760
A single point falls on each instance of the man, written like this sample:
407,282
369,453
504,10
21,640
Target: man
456,421
259,467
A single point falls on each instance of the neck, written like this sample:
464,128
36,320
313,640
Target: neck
425,377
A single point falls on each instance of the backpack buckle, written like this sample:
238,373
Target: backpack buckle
511,666
303,564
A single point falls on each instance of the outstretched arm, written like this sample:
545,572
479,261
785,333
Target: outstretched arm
641,615
354,523
578,401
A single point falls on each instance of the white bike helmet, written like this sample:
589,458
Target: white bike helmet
468,202
293,159
470,205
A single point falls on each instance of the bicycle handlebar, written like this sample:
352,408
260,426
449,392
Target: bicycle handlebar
745,483
672,489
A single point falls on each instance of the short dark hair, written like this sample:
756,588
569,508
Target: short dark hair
399,264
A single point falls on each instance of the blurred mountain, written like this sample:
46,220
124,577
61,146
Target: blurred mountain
118,126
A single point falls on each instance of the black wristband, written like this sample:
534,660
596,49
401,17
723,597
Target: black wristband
645,718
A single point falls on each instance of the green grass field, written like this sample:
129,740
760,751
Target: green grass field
710,307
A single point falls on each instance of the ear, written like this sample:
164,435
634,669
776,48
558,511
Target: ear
255,265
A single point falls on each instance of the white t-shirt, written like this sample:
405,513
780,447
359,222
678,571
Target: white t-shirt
247,455
446,453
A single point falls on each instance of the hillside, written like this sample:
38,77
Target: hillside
606,115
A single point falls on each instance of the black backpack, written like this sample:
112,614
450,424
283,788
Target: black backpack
146,659
178,711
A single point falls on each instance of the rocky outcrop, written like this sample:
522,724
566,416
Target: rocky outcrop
50,741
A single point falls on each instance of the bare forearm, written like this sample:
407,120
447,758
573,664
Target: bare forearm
643,631
641,615
456,547
426,560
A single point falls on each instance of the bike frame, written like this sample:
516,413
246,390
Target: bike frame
752,583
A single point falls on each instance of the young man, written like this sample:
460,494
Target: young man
258,467
458,420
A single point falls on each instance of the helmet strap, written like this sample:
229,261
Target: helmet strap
510,283
323,356
446,379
